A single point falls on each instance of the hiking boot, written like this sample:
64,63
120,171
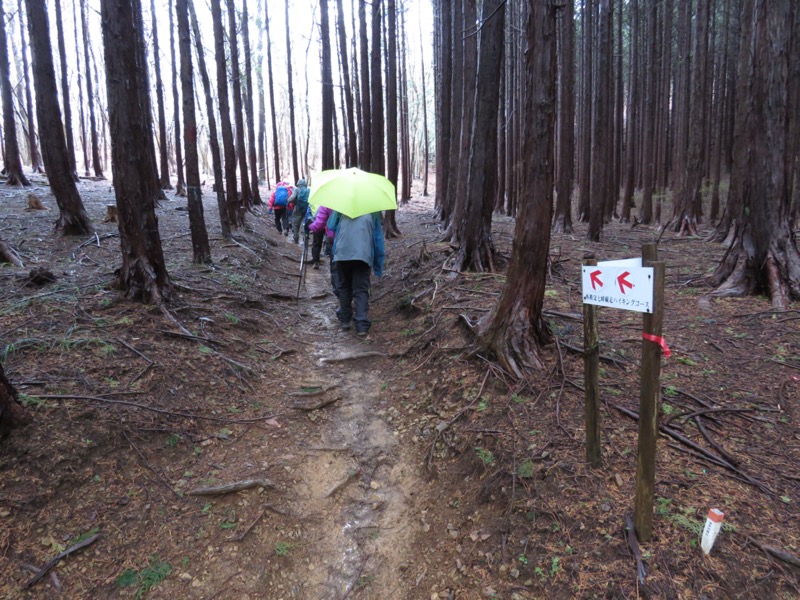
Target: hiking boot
346,326
316,266
362,334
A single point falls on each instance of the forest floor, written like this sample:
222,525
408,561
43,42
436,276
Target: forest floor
401,466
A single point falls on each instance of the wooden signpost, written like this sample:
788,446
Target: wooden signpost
638,285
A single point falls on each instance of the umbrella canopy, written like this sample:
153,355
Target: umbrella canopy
353,192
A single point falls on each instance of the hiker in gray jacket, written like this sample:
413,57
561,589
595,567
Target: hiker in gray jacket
357,248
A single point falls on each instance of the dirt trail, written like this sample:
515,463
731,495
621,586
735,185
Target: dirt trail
347,491
355,485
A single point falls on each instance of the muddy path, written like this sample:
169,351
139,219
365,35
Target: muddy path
340,521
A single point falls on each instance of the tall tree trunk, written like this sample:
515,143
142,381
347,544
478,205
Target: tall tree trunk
687,211
249,110
180,186
562,219
162,119
14,173
143,274
262,108
377,157
36,158
273,110
648,154
600,167
763,257
352,145
82,117
632,115
405,128
213,139
235,210
366,108
390,228
328,106
426,149
515,330
65,101
201,251
585,150
290,84
476,251
236,84
72,218
90,99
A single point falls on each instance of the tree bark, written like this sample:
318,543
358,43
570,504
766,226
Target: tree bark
72,218
14,173
476,251
515,330
649,116
255,197
180,185
562,219
366,108
162,119
235,210
65,101
290,84
236,84
213,139
36,157
688,210
390,228
82,117
352,145
201,251
587,119
90,99
275,143
328,106
601,134
143,274
763,257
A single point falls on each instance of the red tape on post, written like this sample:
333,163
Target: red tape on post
660,341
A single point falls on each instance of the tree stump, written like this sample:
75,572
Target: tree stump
111,213
12,413
34,203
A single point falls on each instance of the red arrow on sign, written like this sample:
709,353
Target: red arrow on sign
623,283
595,279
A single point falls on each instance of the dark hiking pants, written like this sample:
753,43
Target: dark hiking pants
316,246
281,219
354,293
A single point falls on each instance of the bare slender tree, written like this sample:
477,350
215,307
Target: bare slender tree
90,98
143,273
200,247
65,101
33,145
213,138
162,119
72,218
13,162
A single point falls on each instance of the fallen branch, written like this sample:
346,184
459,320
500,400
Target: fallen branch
786,557
698,448
313,393
633,545
338,359
229,488
603,357
53,561
155,410
316,405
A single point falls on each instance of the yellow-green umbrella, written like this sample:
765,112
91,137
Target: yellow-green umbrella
353,192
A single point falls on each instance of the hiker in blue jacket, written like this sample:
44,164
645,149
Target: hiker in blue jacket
357,249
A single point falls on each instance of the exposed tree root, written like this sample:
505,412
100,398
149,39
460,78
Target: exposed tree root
12,413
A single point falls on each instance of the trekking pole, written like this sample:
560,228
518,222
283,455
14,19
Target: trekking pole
302,267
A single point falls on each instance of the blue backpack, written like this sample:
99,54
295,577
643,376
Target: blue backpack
281,196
